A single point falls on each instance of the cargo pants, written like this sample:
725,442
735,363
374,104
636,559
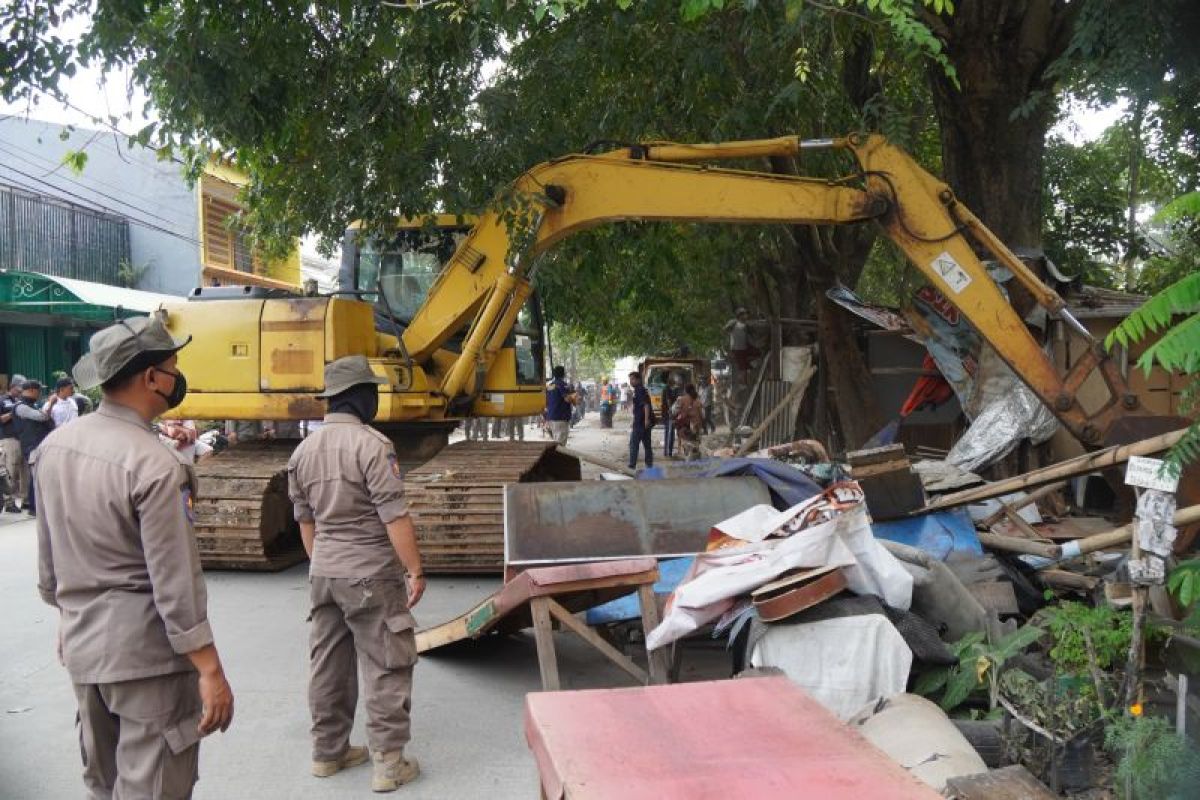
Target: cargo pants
18,470
360,624
139,738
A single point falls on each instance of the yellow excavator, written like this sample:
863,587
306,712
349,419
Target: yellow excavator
444,313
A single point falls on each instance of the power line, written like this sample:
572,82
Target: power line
83,201
45,160
6,148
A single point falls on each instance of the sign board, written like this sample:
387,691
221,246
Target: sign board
951,272
1149,473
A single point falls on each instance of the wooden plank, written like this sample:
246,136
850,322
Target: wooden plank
876,455
543,635
659,667
591,637
1062,579
793,395
1008,783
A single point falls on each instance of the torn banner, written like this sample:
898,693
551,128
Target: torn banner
819,532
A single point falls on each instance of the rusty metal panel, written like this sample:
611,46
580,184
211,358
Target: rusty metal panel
593,520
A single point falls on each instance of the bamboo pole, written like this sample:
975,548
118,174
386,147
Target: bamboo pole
1119,536
1088,462
1015,544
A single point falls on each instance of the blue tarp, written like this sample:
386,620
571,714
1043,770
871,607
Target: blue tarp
939,534
787,485
670,575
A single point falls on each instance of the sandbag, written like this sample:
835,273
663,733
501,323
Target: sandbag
918,735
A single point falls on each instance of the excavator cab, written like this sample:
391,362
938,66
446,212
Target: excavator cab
396,272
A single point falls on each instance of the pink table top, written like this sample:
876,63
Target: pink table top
756,738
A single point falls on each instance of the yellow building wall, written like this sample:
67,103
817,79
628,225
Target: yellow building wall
225,256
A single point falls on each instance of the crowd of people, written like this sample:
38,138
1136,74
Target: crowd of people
25,421
685,410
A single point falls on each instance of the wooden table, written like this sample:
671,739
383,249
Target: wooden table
540,596
753,738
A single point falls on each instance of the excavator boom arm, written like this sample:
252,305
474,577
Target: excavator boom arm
483,283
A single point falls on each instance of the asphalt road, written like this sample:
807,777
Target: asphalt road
467,706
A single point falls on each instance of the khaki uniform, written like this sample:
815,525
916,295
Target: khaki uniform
345,478
18,470
119,561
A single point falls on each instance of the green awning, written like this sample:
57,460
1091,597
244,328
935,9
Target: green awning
34,293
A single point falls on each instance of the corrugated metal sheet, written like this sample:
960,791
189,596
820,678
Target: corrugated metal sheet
42,234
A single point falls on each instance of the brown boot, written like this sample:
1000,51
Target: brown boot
351,758
393,770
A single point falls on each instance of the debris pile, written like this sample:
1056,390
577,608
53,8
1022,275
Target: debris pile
1038,625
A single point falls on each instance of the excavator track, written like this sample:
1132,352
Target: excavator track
457,498
243,517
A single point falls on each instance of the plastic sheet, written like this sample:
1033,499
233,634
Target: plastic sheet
787,485
1017,414
939,534
717,578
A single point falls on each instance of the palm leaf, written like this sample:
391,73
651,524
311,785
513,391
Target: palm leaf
1179,348
1186,206
1181,297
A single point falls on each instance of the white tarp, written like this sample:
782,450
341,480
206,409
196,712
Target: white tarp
844,663
716,579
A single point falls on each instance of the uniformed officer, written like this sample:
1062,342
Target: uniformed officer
119,560
365,574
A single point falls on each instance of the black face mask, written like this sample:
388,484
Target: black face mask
178,391
362,401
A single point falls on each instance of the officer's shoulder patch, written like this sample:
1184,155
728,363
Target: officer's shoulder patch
394,463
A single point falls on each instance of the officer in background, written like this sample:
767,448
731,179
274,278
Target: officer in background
10,446
120,563
365,574
33,426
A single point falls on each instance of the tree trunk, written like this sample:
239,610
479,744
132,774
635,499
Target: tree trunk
993,126
1136,146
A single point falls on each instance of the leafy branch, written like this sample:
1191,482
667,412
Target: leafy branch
1178,347
979,665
